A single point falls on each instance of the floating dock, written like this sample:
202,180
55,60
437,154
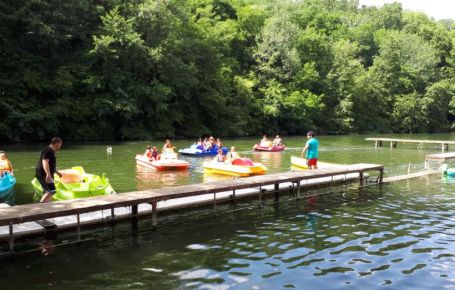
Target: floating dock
35,219
394,141
440,158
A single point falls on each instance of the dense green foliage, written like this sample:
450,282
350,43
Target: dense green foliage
156,68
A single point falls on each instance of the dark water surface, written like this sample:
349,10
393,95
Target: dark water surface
397,236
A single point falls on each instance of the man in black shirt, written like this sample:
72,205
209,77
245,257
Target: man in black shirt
47,167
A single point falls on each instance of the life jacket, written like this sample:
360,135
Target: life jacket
5,165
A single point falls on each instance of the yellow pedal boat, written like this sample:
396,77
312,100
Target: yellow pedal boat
301,163
240,167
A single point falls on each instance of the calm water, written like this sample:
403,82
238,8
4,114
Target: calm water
398,236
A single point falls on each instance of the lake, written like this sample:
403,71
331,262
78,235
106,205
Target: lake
395,236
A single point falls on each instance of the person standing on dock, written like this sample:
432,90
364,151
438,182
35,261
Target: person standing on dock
312,151
47,167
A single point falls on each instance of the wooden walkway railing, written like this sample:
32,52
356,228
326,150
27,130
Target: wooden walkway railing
394,141
35,212
441,158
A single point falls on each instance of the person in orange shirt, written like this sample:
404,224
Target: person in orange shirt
5,164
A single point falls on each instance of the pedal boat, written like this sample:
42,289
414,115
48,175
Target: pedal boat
259,147
7,182
240,167
75,183
301,163
168,161
197,150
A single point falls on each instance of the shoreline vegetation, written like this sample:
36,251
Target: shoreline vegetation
152,69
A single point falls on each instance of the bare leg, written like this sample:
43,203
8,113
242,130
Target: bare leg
46,197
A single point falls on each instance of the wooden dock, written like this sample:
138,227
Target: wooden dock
410,175
440,158
394,141
12,217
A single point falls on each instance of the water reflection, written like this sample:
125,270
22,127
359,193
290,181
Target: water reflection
448,179
272,160
216,177
147,178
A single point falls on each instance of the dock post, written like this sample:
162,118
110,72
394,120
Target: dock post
134,225
11,238
78,227
214,202
361,178
445,147
393,144
277,192
260,197
298,189
381,175
233,194
154,215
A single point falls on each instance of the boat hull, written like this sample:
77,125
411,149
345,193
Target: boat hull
194,150
225,168
279,148
164,164
89,185
301,163
7,183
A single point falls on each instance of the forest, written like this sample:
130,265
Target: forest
142,69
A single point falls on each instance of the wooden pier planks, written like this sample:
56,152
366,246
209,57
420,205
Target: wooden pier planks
33,212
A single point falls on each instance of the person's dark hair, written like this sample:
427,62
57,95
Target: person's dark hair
310,133
149,147
56,140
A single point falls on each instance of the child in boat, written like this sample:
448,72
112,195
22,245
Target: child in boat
148,151
199,144
218,143
208,143
5,164
220,157
277,141
233,154
154,155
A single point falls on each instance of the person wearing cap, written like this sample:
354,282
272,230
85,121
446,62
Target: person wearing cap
5,164
312,151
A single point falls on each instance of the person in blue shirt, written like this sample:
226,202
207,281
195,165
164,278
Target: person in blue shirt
312,151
